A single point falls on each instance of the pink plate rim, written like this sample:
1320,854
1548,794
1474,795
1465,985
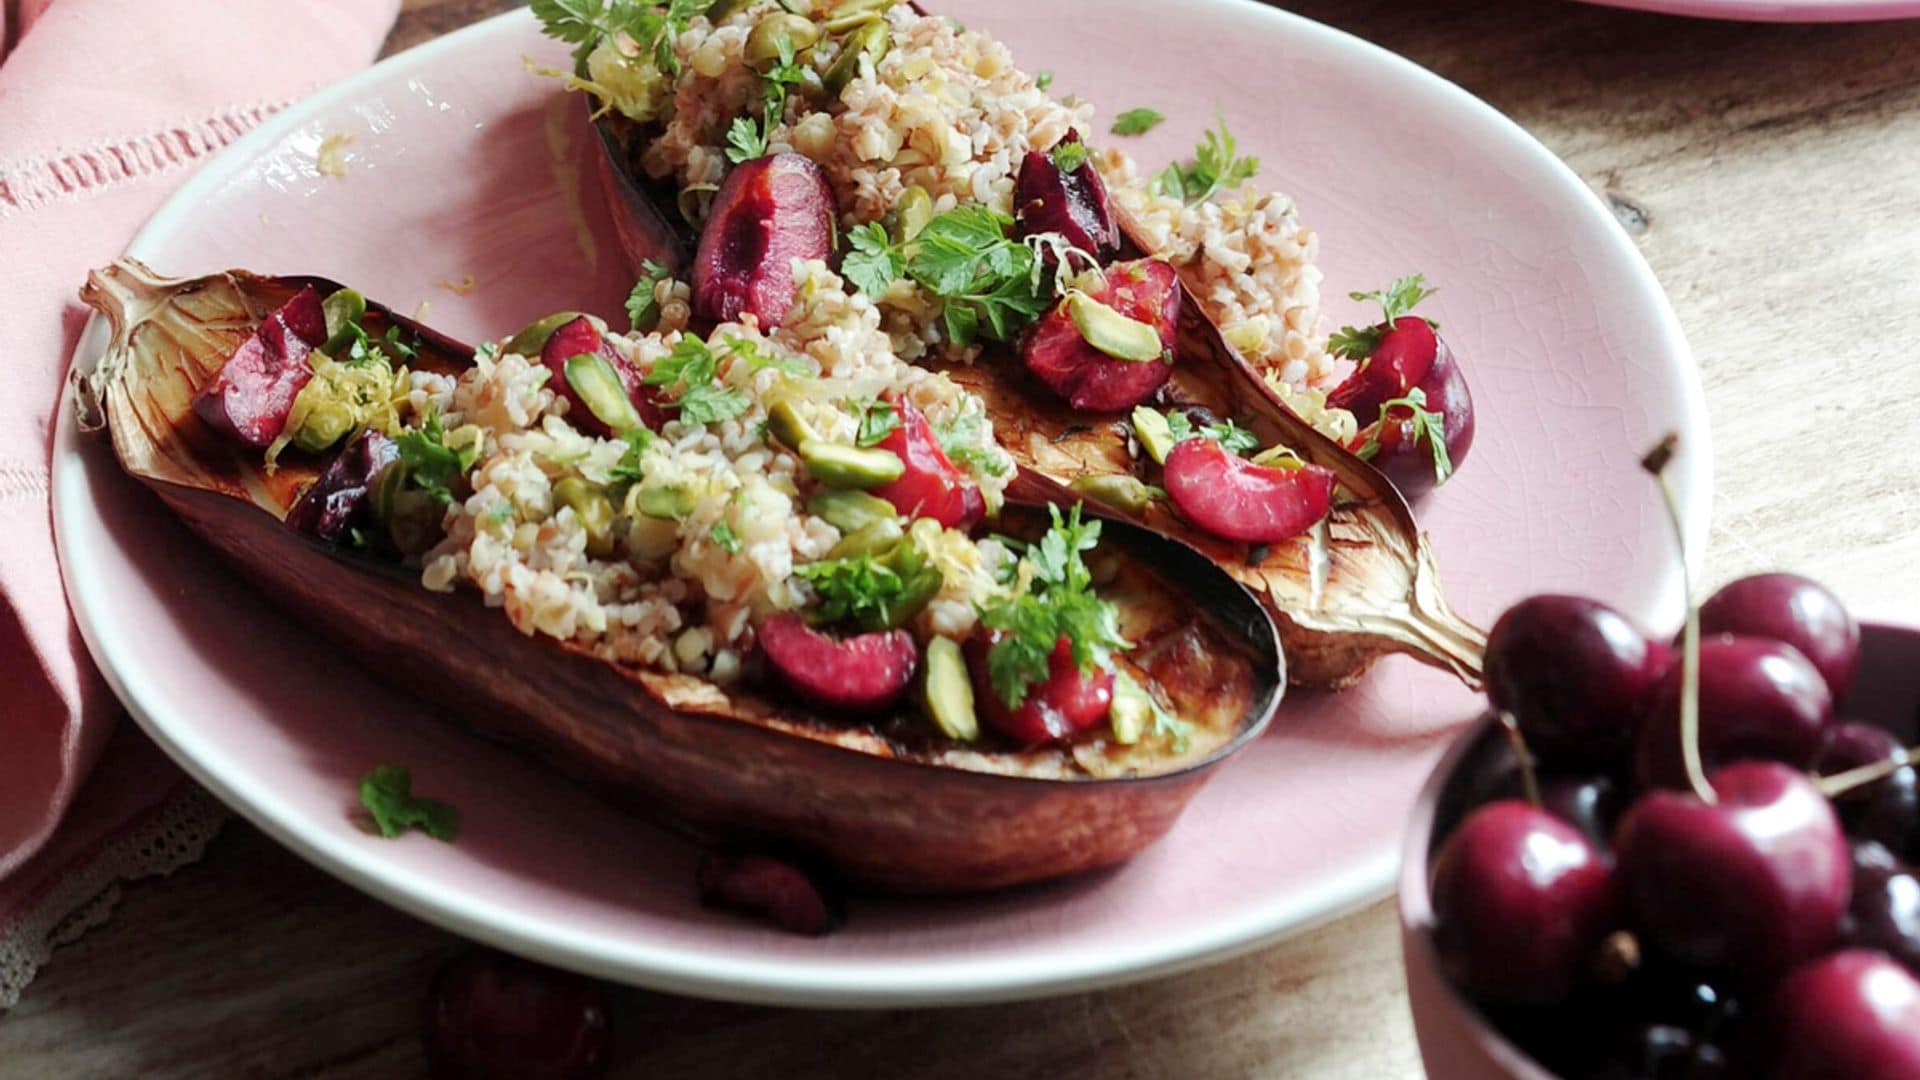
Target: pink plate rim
954,978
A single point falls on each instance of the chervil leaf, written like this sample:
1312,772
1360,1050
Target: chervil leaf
1137,121
1043,80
878,419
746,140
387,794
1060,603
430,464
723,535
690,362
710,403
759,359
1216,167
1355,342
1069,156
860,590
1235,438
643,310
960,438
694,367
873,263
1396,301
1421,424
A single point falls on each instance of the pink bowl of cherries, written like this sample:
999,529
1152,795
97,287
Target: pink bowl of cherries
1686,861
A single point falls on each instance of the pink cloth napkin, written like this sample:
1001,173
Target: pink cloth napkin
105,107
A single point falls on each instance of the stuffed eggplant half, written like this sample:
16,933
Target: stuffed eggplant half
1153,344
738,578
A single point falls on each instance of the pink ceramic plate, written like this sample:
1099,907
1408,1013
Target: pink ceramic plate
1791,11
463,188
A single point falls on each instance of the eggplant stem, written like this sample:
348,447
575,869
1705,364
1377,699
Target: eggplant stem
1656,463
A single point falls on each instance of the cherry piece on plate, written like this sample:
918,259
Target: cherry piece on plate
1575,674
1759,700
250,398
778,891
932,486
1069,202
1521,902
491,1015
1069,702
1059,353
767,213
1407,356
1793,609
1851,1015
1886,810
341,500
864,673
1234,499
1751,884
580,337
1885,911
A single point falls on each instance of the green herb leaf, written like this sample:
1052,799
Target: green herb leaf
1396,301
873,263
430,464
746,140
643,311
1069,156
1043,80
1423,424
723,535
627,471
1137,121
694,367
960,437
860,590
878,419
710,403
1216,167
989,280
1235,438
1060,603
759,359
387,794
651,24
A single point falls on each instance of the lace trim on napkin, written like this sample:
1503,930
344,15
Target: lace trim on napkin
172,838
28,184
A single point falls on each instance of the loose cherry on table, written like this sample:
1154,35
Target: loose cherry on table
491,1015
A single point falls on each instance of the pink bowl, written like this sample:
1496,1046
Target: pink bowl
1456,1043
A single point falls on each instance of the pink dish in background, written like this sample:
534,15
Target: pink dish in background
1789,11
467,185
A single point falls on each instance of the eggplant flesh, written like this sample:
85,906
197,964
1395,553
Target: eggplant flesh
889,805
1360,585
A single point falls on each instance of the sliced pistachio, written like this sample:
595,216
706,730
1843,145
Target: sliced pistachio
1121,491
342,311
1111,332
593,509
848,14
841,466
600,389
669,503
785,423
1155,434
651,539
533,337
1279,457
871,39
948,692
851,511
912,213
390,482
777,34
1131,710
876,537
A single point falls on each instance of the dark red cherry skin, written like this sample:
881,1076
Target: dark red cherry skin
1049,199
1885,911
1234,499
1793,609
250,398
1575,674
341,500
774,890
1750,885
490,1015
580,336
1521,901
1851,1015
767,213
1069,702
1145,290
933,486
1887,810
1412,355
861,674
1759,700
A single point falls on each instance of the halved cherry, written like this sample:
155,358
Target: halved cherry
1410,356
1406,352
1058,352
1069,702
580,337
768,212
1071,203
864,673
933,486
251,396
1234,499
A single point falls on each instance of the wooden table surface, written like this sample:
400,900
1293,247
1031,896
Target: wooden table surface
1771,174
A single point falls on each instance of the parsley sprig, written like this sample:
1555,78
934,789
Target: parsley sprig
1396,301
387,794
1059,602
1137,121
1069,155
747,138
1236,439
960,438
993,283
643,310
862,590
430,463
878,419
1424,424
651,25
695,369
1216,166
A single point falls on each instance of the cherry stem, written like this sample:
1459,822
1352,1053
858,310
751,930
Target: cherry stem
1656,462
1842,782
1529,783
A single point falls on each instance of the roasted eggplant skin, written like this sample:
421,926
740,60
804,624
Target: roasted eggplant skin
727,768
1361,585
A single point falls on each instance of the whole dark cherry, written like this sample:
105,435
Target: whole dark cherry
491,1015
1521,901
1574,673
1886,810
1885,911
1751,884
1850,1015
1759,699
1793,609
